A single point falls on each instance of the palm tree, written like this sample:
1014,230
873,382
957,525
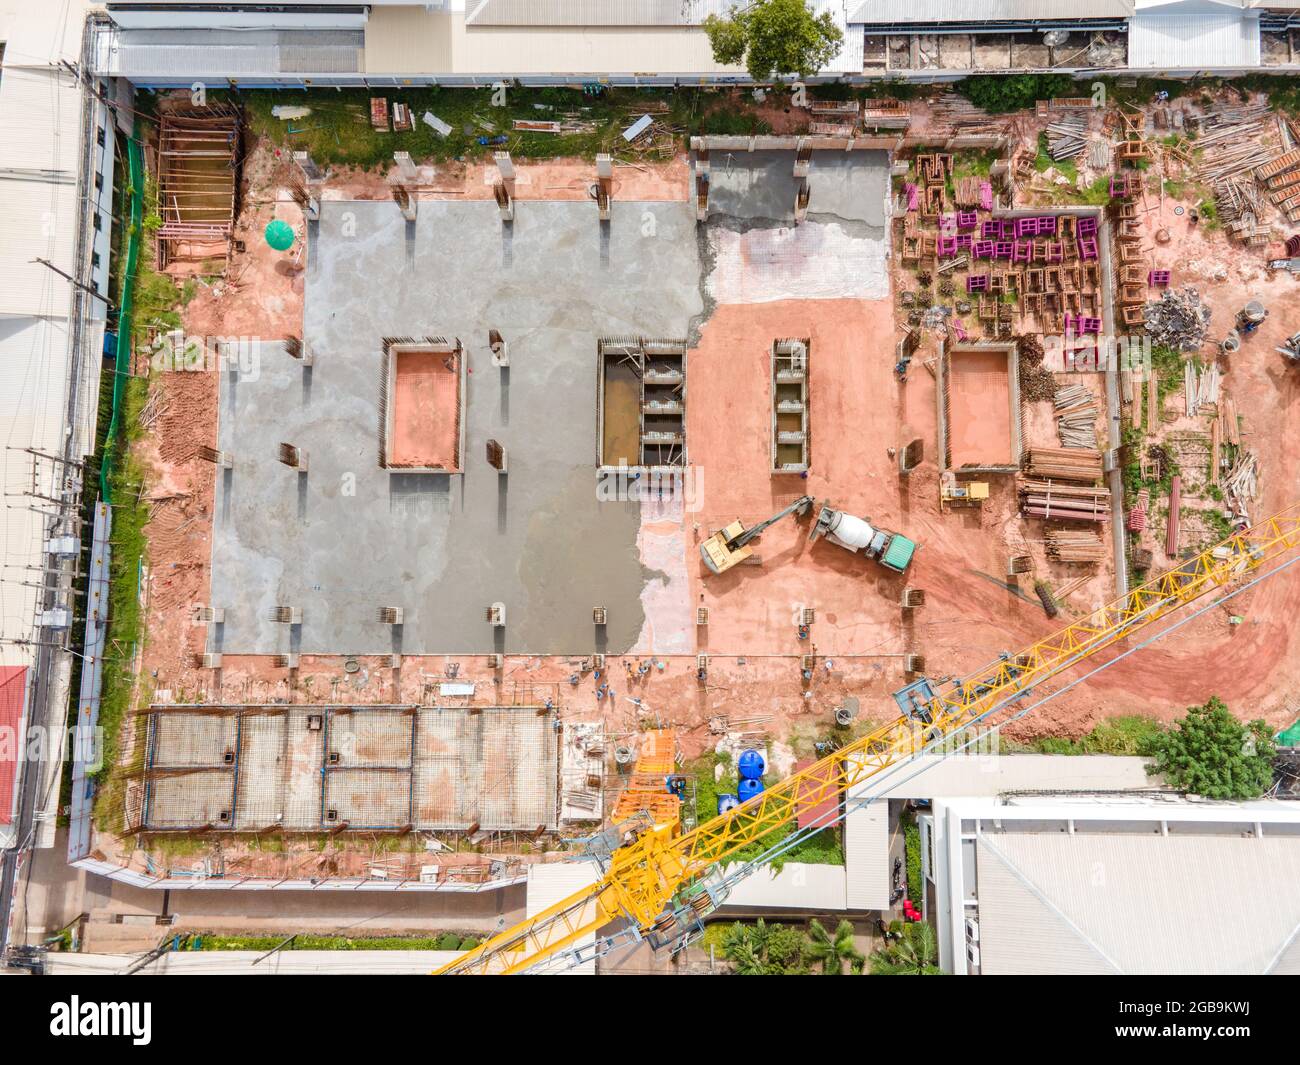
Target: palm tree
833,950
916,953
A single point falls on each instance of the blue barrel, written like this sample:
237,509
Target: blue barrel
751,764
749,787
727,802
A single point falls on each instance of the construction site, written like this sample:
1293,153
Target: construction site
448,569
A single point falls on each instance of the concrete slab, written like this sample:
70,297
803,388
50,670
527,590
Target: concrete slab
348,536
760,186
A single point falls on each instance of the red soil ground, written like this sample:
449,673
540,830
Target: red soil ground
425,403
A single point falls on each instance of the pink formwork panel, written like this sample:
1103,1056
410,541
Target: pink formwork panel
1026,227
983,249
1091,325
947,247
986,195
1073,322
964,241
967,220
959,330
989,231
1003,249
1158,278
977,282
1087,227
913,196
1088,248
1024,251
1047,223
1007,230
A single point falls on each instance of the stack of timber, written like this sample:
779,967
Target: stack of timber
1068,545
1201,389
1066,463
1064,502
1076,416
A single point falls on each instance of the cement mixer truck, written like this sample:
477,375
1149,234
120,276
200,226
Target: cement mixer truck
890,549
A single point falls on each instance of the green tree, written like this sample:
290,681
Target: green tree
1211,753
761,949
833,950
1013,92
774,37
915,953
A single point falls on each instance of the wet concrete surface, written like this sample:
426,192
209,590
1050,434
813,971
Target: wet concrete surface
349,536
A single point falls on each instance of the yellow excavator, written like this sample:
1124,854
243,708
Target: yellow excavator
659,887
729,546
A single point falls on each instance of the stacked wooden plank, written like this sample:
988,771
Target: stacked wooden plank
1175,510
1068,545
1066,463
1076,416
1201,389
1064,502
1067,136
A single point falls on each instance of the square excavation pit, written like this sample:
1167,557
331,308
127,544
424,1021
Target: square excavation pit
978,395
641,403
373,768
790,426
420,405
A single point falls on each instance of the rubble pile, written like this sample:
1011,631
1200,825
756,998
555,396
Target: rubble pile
1178,319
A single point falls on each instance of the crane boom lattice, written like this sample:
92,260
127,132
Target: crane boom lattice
661,872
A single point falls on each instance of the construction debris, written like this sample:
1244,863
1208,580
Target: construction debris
1067,136
1178,319
1201,389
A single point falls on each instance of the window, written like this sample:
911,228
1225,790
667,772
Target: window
94,260
99,182
99,136
98,222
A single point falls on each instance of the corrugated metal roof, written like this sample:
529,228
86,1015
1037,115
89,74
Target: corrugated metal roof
233,53
866,857
798,886
13,698
550,882
875,11
40,123
593,12
973,775
1202,41
1052,902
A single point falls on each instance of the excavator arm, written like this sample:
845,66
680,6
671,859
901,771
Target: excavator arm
652,877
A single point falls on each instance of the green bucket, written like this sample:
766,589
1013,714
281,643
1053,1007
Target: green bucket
279,235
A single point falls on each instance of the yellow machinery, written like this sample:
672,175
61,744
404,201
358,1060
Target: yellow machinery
728,546
659,886
956,493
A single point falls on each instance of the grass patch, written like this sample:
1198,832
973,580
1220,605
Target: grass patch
823,848
441,941
1125,735
338,130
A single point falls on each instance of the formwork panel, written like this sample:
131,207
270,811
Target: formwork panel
367,798
262,764
304,763
190,799
496,768
370,738
189,738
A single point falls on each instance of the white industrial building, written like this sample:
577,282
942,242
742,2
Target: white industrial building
662,42
58,157
1112,884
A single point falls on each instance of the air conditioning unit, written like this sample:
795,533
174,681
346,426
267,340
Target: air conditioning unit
429,874
972,930
495,661
496,615
209,661
973,953
315,722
